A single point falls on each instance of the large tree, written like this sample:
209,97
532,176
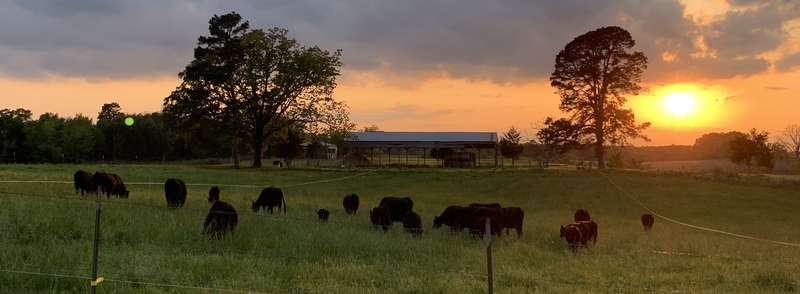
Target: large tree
510,146
593,73
791,140
253,84
752,149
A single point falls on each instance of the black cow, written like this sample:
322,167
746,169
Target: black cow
448,217
412,222
350,203
582,215
573,236
584,229
323,215
398,207
489,205
512,218
647,218
479,227
175,191
222,218
83,182
470,214
99,182
270,197
592,231
381,216
213,194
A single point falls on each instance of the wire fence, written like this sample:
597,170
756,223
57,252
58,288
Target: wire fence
27,269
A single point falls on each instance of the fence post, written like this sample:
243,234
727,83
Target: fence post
487,237
96,241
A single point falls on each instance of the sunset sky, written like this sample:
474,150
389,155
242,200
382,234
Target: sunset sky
422,65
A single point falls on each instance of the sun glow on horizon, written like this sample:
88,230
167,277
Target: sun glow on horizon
680,103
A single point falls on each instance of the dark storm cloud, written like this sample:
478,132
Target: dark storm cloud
788,62
501,41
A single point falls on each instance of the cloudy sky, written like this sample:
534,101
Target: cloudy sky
423,65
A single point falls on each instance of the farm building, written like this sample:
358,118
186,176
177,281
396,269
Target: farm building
458,149
330,150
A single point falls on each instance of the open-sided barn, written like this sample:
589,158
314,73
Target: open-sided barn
365,143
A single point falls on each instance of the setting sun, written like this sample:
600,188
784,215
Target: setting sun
680,103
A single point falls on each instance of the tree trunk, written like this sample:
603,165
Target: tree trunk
599,151
258,152
235,151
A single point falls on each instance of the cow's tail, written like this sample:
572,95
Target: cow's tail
284,204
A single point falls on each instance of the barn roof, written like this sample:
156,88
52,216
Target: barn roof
422,139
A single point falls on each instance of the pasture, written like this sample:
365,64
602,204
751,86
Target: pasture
147,248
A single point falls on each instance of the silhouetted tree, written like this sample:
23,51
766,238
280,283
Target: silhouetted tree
752,149
715,145
510,146
372,128
78,139
557,136
255,83
790,140
592,73
291,147
13,142
109,111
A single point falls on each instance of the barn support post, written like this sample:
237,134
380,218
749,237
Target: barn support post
487,237
406,156
495,155
424,152
95,281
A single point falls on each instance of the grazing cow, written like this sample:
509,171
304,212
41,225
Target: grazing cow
582,215
448,217
512,218
381,216
99,182
175,191
412,222
592,231
573,236
350,203
470,214
118,189
479,228
584,228
647,221
323,215
213,194
271,196
397,206
222,218
83,182
489,205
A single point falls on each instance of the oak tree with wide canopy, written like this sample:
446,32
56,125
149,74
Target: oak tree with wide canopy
593,73
253,84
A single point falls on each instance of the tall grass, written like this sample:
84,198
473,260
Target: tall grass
143,241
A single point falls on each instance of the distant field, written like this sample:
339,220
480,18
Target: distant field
143,243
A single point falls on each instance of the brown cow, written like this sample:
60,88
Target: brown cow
213,194
83,182
412,222
323,215
397,206
489,205
573,236
592,231
582,215
222,218
512,218
448,217
111,184
647,221
584,228
381,216
479,228
350,203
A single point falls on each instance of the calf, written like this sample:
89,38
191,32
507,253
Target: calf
323,215
270,197
222,218
412,222
512,218
647,221
584,228
213,194
479,228
489,205
381,216
83,182
350,203
582,215
397,206
175,191
573,236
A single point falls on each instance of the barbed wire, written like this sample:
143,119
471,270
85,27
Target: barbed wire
694,226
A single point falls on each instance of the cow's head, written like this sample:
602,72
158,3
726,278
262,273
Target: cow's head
437,222
255,207
562,231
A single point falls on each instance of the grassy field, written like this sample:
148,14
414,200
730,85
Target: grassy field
143,243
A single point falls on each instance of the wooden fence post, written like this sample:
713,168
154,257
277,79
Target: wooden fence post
95,281
487,237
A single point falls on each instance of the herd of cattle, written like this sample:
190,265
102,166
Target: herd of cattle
223,217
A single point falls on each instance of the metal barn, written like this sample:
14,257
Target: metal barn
425,141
